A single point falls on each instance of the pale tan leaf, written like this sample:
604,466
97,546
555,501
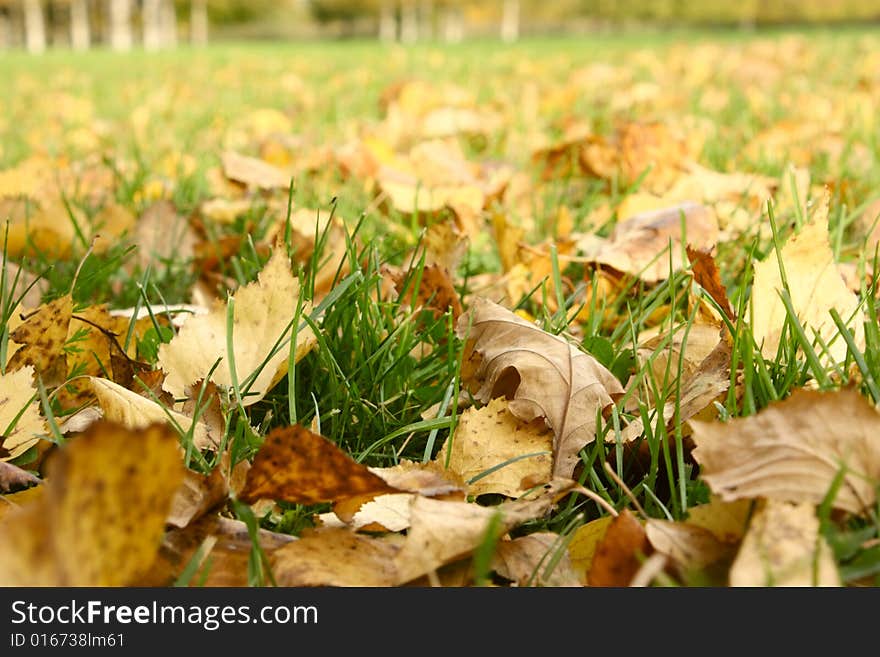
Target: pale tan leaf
726,520
783,547
793,449
535,560
492,436
263,312
253,172
541,374
689,546
815,286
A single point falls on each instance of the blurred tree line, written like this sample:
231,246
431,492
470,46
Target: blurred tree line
154,24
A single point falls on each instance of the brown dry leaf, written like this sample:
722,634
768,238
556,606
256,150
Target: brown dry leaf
649,245
489,437
689,546
583,544
783,547
436,292
253,172
533,561
17,392
430,479
12,478
226,546
617,556
442,532
135,411
541,374
793,449
337,557
42,335
101,518
297,465
262,315
707,276
815,286
709,380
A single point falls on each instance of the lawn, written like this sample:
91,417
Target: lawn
571,311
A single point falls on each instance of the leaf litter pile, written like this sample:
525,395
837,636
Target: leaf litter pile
563,319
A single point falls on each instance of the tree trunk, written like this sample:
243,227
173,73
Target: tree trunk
151,17
80,30
119,16
34,26
387,22
510,21
198,22
409,22
5,30
168,21
426,19
453,25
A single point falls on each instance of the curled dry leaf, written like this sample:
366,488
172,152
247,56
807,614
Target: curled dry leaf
197,495
793,450
707,276
12,478
492,436
20,410
297,465
540,374
261,322
815,286
101,517
783,547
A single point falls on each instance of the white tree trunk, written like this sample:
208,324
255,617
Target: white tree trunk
387,22
168,20
34,26
409,22
80,30
510,21
198,22
5,30
426,19
453,25
119,15
151,17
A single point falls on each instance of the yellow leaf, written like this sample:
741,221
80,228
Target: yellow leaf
583,544
263,311
101,518
491,436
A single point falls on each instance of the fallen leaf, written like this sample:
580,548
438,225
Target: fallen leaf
815,286
490,437
535,560
20,418
783,547
253,172
617,556
793,450
12,478
726,520
101,518
261,321
135,411
297,465
541,374
337,557
707,276
162,234
42,335
691,547
583,544
197,495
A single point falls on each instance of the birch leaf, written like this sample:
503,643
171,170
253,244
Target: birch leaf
16,393
263,312
541,375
